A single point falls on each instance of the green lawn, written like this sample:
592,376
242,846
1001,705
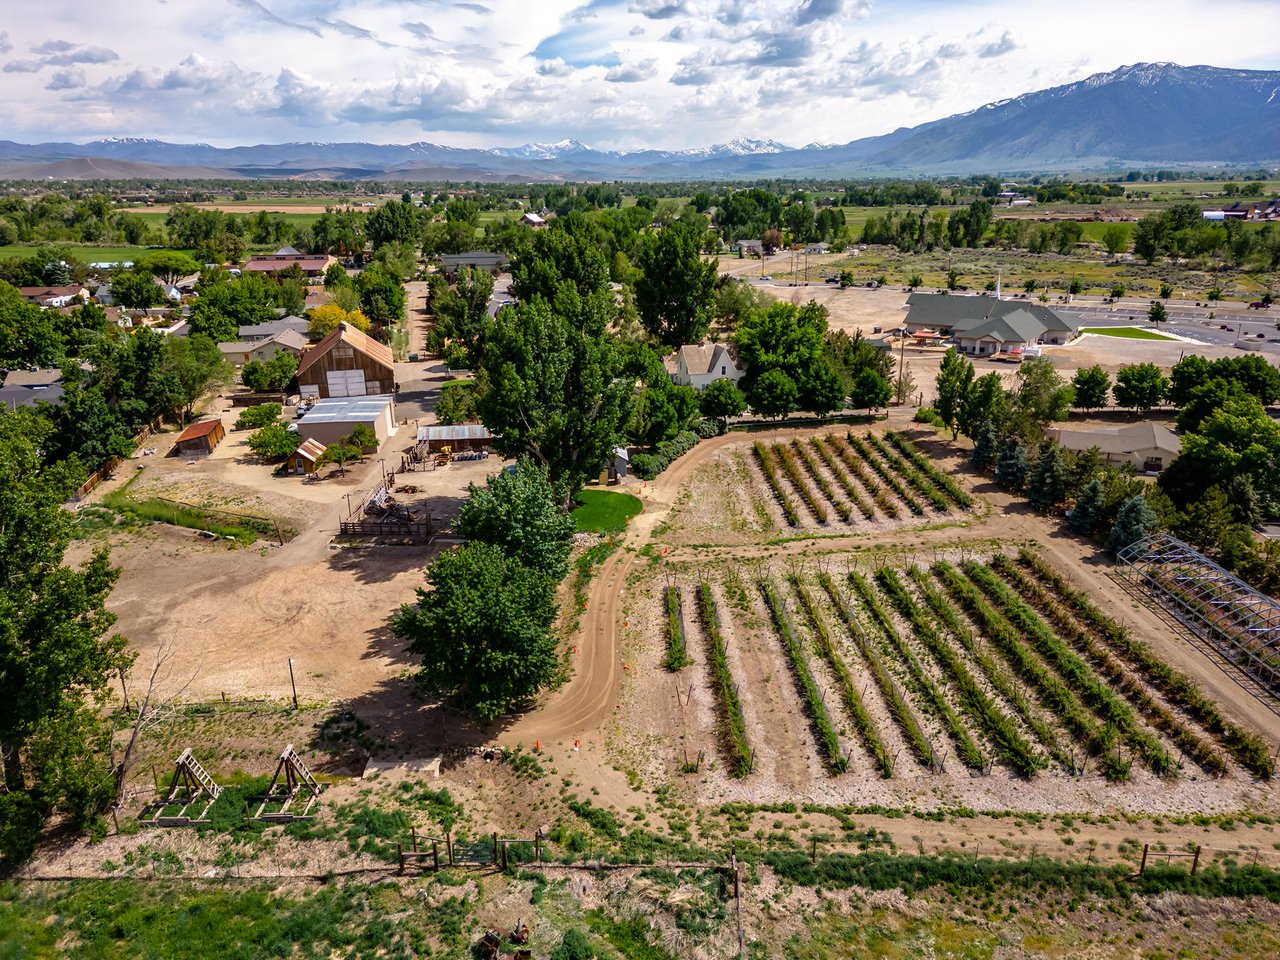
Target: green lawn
85,254
600,511
1127,333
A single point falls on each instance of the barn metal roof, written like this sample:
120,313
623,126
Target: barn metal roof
348,409
454,431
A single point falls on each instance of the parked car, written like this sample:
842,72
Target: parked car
1258,305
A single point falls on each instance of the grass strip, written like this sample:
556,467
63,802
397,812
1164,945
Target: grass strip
1248,749
1105,702
1155,713
677,650
824,729
1053,692
863,449
899,709
1001,681
954,490
853,699
842,478
999,727
811,467
922,484
733,728
920,681
855,466
792,470
765,459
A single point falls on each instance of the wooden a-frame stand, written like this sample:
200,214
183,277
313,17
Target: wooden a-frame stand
291,778
191,786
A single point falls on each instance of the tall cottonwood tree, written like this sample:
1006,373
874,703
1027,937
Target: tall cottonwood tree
676,289
55,647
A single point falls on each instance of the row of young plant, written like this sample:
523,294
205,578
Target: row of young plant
815,702
677,655
918,481
733,727
845,453
1105,702
954,490
1154,712
1056,695
897,704
917,678
1248,749
862,722
862,449
805,455
765,458
977,704
843,479
787,460
1002,682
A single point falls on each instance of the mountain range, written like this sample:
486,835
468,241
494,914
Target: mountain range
1139,115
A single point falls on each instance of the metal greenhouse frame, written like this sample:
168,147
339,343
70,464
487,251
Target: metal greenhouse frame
1237,620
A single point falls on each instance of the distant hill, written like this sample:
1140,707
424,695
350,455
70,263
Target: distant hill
1145,114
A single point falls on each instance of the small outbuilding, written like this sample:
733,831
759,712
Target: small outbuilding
199,439
335,417
456,436
303,460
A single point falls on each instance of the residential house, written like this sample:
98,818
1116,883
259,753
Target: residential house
241,352
312,264
26,388
265,331
475,259
54,296
752,248
821,247
1148,446
983,326
701,365
533,220
346,363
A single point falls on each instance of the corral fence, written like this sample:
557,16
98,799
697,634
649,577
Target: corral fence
380,515
432,853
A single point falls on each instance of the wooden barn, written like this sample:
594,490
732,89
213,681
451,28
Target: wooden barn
303,460
199,439
346,363
457,437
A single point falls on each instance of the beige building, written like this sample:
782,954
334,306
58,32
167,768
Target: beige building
334,418
1150,447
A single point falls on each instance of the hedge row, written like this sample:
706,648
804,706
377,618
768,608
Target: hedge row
649,465
677,650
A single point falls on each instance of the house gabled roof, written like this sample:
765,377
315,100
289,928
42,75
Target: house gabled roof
962,314
703,358
1138,436
310,449
345,333
288,338
33,378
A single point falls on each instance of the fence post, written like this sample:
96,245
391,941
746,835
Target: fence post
448,843
504,858
1195,862
1143,866
495,846
400,854
537,846
435,855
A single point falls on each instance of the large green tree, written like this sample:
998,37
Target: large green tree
518,511
55,646
954,381
197,366
1092,387
675,291
462,311
551,386
484,629
28,335
1141,386
791,340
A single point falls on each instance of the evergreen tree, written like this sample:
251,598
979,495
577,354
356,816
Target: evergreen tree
1135,520
1047,480
1089,508
985,445
1011,465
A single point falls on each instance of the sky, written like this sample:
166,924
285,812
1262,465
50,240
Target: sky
614,74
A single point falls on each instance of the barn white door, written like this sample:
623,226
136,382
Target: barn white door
346,383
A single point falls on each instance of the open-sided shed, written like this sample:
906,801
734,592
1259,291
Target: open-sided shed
200,438
456,436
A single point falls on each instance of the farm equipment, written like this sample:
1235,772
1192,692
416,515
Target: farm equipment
472,455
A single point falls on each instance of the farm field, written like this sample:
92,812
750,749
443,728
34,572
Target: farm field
951,656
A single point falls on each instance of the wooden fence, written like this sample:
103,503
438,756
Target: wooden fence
95,478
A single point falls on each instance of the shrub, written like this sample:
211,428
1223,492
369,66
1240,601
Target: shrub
649,465
457,402
257,416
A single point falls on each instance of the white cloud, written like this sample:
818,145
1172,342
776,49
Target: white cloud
615,73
